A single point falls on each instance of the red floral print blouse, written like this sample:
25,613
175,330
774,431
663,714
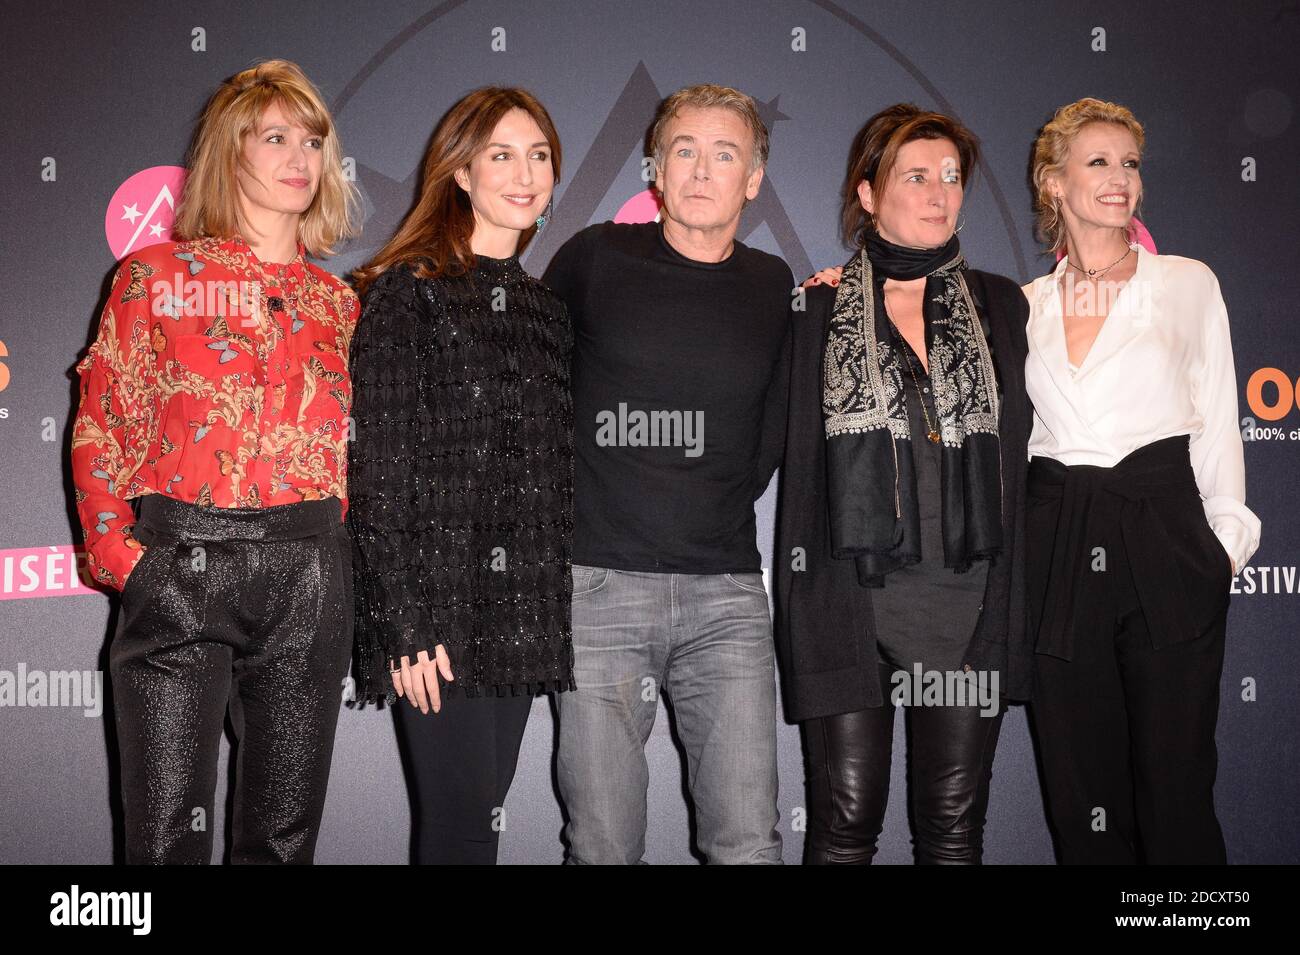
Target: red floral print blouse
216,379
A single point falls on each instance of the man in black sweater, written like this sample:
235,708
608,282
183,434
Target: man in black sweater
680,372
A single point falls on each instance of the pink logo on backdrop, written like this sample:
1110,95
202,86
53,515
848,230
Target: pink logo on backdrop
59,570
141,211
643,207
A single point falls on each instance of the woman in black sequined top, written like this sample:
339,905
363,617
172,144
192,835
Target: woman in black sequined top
461,470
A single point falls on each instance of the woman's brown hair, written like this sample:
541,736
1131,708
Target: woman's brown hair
434,238
875,151
209,204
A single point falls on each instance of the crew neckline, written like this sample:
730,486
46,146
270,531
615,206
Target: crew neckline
491,263
697,263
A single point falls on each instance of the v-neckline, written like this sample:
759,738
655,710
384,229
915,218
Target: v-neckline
1076,368
924,362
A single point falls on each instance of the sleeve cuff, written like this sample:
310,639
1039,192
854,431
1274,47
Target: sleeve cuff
112,565
410,648
1237,532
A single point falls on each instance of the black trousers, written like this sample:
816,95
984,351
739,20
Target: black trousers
1125,729
951,755
1126,735
460,763
246,609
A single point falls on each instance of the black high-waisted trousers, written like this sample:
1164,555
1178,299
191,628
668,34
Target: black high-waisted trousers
242,608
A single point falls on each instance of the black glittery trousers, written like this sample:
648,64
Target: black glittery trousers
242,608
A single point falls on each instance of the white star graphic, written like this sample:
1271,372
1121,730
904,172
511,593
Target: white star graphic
156,229
131,212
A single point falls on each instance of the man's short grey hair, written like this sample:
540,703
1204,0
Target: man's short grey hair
708,96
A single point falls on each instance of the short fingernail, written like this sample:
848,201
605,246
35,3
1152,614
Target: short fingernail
835,281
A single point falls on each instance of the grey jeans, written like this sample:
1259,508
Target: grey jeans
705,642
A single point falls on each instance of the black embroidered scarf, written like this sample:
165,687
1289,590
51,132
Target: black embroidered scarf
874,515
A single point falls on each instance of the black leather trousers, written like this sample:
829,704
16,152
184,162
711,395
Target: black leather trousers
849,755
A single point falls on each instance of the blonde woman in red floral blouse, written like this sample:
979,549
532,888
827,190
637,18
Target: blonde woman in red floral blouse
215,399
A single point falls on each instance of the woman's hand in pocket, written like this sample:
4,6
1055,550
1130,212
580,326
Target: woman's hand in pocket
131,573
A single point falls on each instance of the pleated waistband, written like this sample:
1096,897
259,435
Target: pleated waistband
167,515
1160,466
1095,503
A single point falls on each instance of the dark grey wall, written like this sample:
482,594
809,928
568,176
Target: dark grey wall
107,91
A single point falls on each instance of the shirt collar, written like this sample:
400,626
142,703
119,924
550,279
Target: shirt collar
275,274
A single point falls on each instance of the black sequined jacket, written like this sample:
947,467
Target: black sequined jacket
460,479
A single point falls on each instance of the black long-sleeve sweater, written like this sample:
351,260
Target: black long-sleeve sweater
679,390
460,478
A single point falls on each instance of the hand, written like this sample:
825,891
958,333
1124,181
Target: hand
143,550
825,276
418,684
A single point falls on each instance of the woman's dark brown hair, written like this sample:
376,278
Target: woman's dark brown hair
434,237
875,151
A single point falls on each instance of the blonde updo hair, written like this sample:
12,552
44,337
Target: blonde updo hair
1052,147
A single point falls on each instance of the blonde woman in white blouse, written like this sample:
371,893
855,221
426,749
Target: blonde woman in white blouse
1137,519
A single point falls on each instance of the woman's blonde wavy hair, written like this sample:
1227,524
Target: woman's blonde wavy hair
209,204
1052,147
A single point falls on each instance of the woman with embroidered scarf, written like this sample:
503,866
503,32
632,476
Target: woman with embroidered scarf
900,525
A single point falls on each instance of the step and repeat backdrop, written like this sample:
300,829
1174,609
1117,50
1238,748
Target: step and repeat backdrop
99,104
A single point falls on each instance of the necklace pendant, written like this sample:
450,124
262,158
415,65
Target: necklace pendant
933,436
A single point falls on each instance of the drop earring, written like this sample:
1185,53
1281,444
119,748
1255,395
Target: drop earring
541,220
